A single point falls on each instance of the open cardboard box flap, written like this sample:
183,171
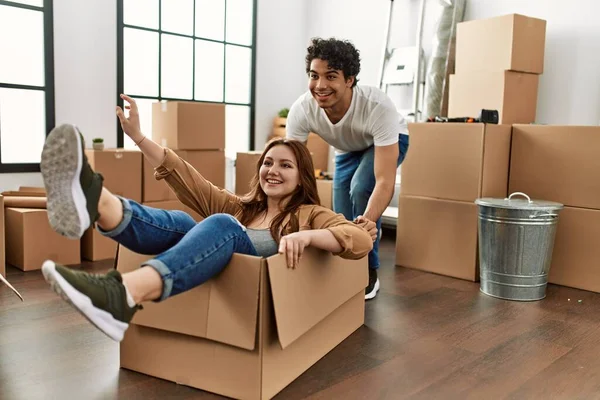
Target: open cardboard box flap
304,296
226,307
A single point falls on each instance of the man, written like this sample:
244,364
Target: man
362,124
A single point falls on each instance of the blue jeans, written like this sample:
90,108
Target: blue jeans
353,183
189,253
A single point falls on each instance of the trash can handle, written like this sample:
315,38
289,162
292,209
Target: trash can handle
520,194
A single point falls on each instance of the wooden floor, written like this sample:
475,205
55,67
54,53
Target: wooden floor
425,337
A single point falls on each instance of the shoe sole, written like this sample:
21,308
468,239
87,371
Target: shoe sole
373,293
61,167
101,319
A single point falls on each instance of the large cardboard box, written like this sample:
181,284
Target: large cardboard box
2,242
576,251
189,125
210,163
456,161
174,205
325,189
557,163
245,169
121,169
95,247
319,149
30,240
513,94
510,42
438,236
251,330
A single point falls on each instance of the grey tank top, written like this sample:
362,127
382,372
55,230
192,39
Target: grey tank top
263,242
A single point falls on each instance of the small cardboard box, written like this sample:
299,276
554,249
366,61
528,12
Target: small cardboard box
319,150
456,161
557,163
251,330
438,236
189,125
210,163
513,94
576,251
245,169
174,205
30,240
510,42
95,247
325,189
121,169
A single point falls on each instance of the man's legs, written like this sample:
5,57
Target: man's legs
354,188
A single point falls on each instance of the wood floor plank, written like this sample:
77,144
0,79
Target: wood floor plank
425,336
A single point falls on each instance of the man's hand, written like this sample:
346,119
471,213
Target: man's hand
368,225
293,245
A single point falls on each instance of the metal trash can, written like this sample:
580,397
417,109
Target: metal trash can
516,239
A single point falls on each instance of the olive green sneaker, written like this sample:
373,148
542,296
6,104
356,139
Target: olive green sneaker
72,188
102,299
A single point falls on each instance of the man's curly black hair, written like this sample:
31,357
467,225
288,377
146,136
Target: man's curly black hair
339,54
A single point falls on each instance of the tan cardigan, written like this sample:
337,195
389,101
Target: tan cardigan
193,190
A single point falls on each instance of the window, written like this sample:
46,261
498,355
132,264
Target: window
26,83
189,50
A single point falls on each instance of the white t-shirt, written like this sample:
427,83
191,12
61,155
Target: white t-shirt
371,119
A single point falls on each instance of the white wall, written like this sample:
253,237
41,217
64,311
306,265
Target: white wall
567,93
280,72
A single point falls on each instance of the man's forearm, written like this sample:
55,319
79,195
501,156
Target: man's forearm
379,200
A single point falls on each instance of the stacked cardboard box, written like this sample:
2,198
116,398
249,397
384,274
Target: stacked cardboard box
561,163
29,238
196,132
498,63
122,172
447,168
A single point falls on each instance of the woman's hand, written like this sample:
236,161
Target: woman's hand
368,225
293,245
131,125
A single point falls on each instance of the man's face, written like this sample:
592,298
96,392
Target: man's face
327,85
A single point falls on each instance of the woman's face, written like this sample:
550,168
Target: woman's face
279,175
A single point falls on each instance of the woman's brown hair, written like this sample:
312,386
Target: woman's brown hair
255,202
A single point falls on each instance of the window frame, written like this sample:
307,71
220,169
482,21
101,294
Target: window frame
120,66
48,88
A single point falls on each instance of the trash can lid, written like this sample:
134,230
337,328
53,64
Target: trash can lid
519,204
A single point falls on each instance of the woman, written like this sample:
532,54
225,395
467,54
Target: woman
280,214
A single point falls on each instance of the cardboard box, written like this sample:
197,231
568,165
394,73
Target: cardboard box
2,242
30,240
210,163
174,205
245,169
251,330
121,169
513,94
557,163
438,236
95,247
510,42
189,125
319,150
456,161
576,251
325,189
